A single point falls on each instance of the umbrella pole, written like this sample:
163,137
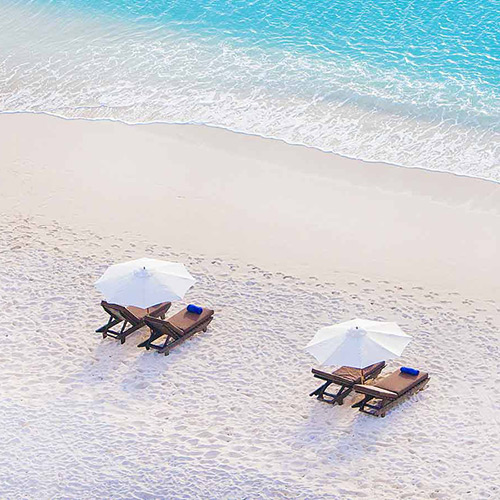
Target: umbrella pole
362,377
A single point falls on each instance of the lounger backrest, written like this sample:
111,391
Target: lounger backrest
347,375
162,327
120,312
159,309
333,377
353,375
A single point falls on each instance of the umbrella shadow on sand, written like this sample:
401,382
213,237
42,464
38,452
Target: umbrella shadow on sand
133,369
149,370
341,434
109,358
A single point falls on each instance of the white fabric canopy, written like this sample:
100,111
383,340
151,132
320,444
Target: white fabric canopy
358,343
145,282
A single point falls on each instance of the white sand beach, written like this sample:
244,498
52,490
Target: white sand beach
282,240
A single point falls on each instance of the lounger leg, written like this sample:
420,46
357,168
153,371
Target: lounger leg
342,394
110,324
164,348
320,390
125,333
361,404
167,345
122,339
145,343
148,341
337,398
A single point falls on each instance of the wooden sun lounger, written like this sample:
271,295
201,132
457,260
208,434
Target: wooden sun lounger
346,377
133,316
177,329
389,392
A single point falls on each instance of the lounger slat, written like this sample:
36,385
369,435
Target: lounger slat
389,392
346,377
399,382
177,329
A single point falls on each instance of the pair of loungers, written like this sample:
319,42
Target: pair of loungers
379,397
176,329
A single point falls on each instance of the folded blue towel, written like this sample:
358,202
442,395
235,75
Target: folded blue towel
194,309
409,371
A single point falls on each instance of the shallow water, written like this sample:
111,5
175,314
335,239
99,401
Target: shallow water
407,82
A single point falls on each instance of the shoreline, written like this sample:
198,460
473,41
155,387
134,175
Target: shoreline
287,208
244,133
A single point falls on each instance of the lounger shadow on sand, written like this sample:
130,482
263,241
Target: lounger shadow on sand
346,377
383,395
132,316
176,329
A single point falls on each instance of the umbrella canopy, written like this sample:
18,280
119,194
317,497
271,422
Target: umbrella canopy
144,282
358,343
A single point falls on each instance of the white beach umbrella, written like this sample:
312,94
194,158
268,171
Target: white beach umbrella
144,282
358,343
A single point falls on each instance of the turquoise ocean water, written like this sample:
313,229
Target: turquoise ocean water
410,82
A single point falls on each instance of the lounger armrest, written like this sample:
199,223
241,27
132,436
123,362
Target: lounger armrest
176,330
377,392
332,378
321,374
159,309
170,329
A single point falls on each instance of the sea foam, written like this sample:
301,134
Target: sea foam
379,81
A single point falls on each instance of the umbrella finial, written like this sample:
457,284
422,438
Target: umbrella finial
356,332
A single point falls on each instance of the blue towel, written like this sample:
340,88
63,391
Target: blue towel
194,309
409,371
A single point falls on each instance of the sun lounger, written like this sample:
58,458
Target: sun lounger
177,329
389,391
133,316
346,377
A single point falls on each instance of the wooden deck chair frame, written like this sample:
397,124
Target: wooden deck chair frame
120,314
174,335
346,386
384,402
